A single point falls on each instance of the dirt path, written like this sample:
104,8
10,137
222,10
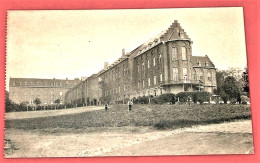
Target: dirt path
47,113
225,138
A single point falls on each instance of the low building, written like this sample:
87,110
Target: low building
47,90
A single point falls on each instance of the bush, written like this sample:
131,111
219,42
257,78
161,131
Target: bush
183,96
203,96
164,98
143,100
196,96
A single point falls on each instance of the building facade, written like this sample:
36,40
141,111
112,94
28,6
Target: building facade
47,90
164,64
86,92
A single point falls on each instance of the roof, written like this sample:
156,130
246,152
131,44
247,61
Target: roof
36,82
174,32
201,61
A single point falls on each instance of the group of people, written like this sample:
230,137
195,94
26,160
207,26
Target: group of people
129,104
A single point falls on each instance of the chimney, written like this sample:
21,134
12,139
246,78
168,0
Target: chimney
123,52
105,65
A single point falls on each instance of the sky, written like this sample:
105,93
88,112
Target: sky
74,43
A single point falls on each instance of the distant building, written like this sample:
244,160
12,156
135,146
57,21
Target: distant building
164,64
47,90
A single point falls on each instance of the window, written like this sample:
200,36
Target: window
209,75
138,85
143,65
60,93
175,74
13,83
206,63
149,82
154,80
124,87
201,75
183,53
194,75
148,63
160,77
21,83
143,84
154,61
174,54
25,83
31,83
38,83
199,63
185,73
160,58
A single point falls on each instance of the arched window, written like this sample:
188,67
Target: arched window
160,58
160,77
149,82
175,74
183,53
201,75
143,84
185,73
154,61
209,75
154,80
194,74
148,63
174,54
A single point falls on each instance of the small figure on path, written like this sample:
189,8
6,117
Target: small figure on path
189,100
106,106
129,103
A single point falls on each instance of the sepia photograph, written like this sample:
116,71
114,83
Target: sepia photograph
127,82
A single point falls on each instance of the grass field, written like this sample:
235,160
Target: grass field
156,116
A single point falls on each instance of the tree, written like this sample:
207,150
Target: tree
57,101
9,104
232,89
37,102
245,81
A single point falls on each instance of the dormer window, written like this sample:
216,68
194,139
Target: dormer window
199,63
206,63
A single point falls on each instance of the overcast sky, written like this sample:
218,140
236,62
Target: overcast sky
59,44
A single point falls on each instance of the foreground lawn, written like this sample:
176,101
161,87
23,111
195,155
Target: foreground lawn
157,116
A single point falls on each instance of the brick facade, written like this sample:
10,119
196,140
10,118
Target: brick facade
163,64
47,90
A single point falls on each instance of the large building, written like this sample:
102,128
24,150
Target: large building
47,90
164,64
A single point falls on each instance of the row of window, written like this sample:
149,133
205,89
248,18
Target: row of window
194,74
148,63
115,90
175,54
176,77
43,83
115,74
149,81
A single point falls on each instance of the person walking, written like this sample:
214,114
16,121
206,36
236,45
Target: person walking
129,103
106,106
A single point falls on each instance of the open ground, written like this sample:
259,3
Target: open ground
147,130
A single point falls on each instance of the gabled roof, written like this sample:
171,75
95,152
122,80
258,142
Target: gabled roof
201,61
174,32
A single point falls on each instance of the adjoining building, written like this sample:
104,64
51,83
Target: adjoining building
164,64
87,92
47,90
